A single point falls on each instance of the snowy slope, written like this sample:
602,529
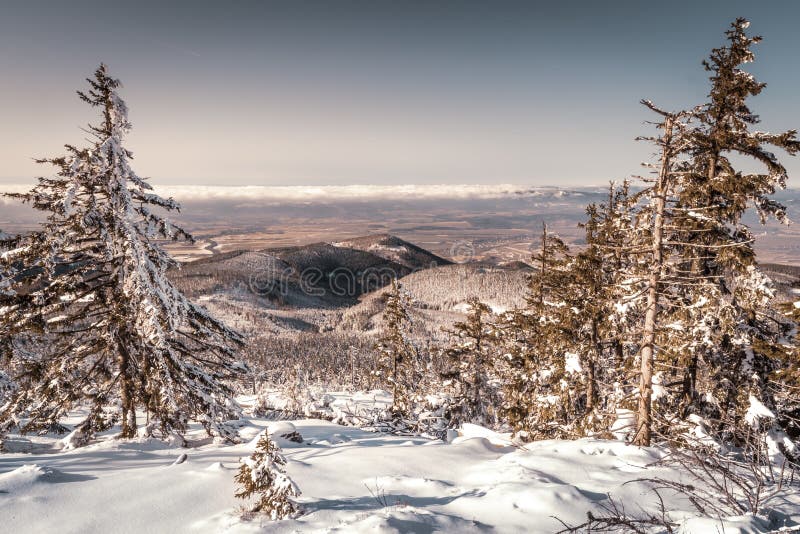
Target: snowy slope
352,481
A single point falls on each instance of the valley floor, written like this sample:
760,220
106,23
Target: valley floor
352,481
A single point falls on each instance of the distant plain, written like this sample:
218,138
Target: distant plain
493,224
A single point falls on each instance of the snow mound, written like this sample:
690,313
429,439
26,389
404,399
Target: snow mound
732,525
624,424
334,439
402,519
283,431
280,428
217,466
417,484
480,444
493,440
26,475
74,440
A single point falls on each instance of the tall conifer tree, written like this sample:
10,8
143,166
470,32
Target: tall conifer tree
538,400
92,313
715,325
396,352
601,313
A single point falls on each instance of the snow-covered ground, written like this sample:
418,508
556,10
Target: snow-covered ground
352,481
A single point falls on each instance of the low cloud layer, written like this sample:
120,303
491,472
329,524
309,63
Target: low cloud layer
344,192
193,193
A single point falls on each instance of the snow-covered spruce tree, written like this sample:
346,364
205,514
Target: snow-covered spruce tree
718,334
475,399
538,400
606,294
601,311
92,314
785,380
654,218
396,352
679,310
7,274
262,479
722,245
568,358
7,388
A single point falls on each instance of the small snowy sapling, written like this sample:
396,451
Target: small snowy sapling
263,481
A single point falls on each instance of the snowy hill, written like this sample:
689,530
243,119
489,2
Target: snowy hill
440,295
394,249
449,287
263,289
320,275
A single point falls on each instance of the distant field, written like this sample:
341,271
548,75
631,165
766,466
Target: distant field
492,223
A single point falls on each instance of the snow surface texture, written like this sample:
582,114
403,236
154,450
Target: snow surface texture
352,481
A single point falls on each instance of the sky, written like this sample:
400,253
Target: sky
376,91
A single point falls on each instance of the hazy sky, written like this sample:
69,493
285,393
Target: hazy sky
376,91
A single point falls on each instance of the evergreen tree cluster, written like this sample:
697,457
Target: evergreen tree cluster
662,326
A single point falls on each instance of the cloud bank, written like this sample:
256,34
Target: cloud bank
190,193
338,192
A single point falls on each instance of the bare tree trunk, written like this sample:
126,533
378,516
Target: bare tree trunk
689,384
544,264
591,386
644,419
394,379
126,392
